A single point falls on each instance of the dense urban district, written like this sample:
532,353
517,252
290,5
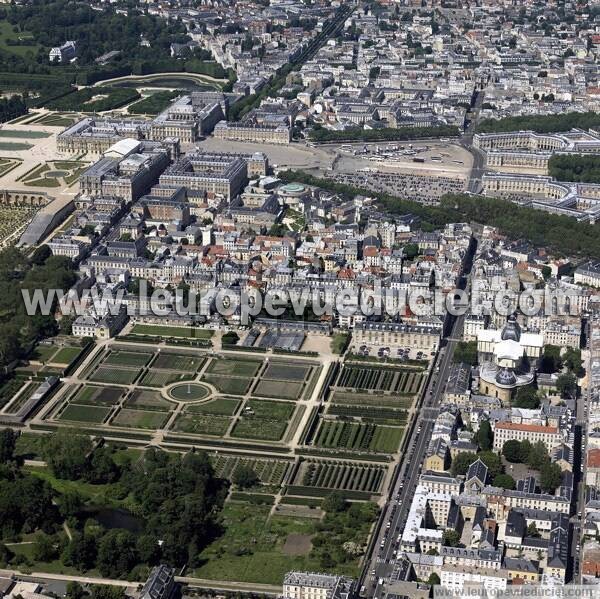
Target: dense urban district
215,155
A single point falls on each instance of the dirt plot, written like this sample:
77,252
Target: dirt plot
220,406
245,368
258,428
202,424
279,389
171,361
140,419
148,400
286,372
297,544
89,395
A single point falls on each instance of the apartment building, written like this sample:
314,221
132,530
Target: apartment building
311,585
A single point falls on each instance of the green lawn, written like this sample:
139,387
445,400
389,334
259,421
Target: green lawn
66,355
220,406
21,133
7,34
111,374
252,547
55,120
43,353
161,378
166,331
76,413
128,358
97,494
9,146
229,385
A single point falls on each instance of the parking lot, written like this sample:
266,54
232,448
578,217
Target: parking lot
423,188
403,354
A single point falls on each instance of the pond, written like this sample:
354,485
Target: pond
115,518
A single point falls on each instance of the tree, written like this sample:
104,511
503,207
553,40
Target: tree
572,360
433,579
80,552
5,555
44,549
550,477
65,324
567,385
515,452
546,272
504,481
8,441
117,553
70,504
485,436
492,461
527,398
244,477
40,255
103,469
537,456
461,463
230,338
67,453
102,591
451,538
466,351
333,503
551,360
410,250
148,549
532,530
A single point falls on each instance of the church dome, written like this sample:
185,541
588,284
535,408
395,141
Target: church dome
506,378
511,330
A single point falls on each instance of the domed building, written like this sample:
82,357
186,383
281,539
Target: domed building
508,359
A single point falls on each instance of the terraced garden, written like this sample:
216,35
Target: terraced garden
54,173
380,379
358,436
340,476
269,472
13,220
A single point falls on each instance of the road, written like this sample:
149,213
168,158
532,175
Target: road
393,518
580,466
474,185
